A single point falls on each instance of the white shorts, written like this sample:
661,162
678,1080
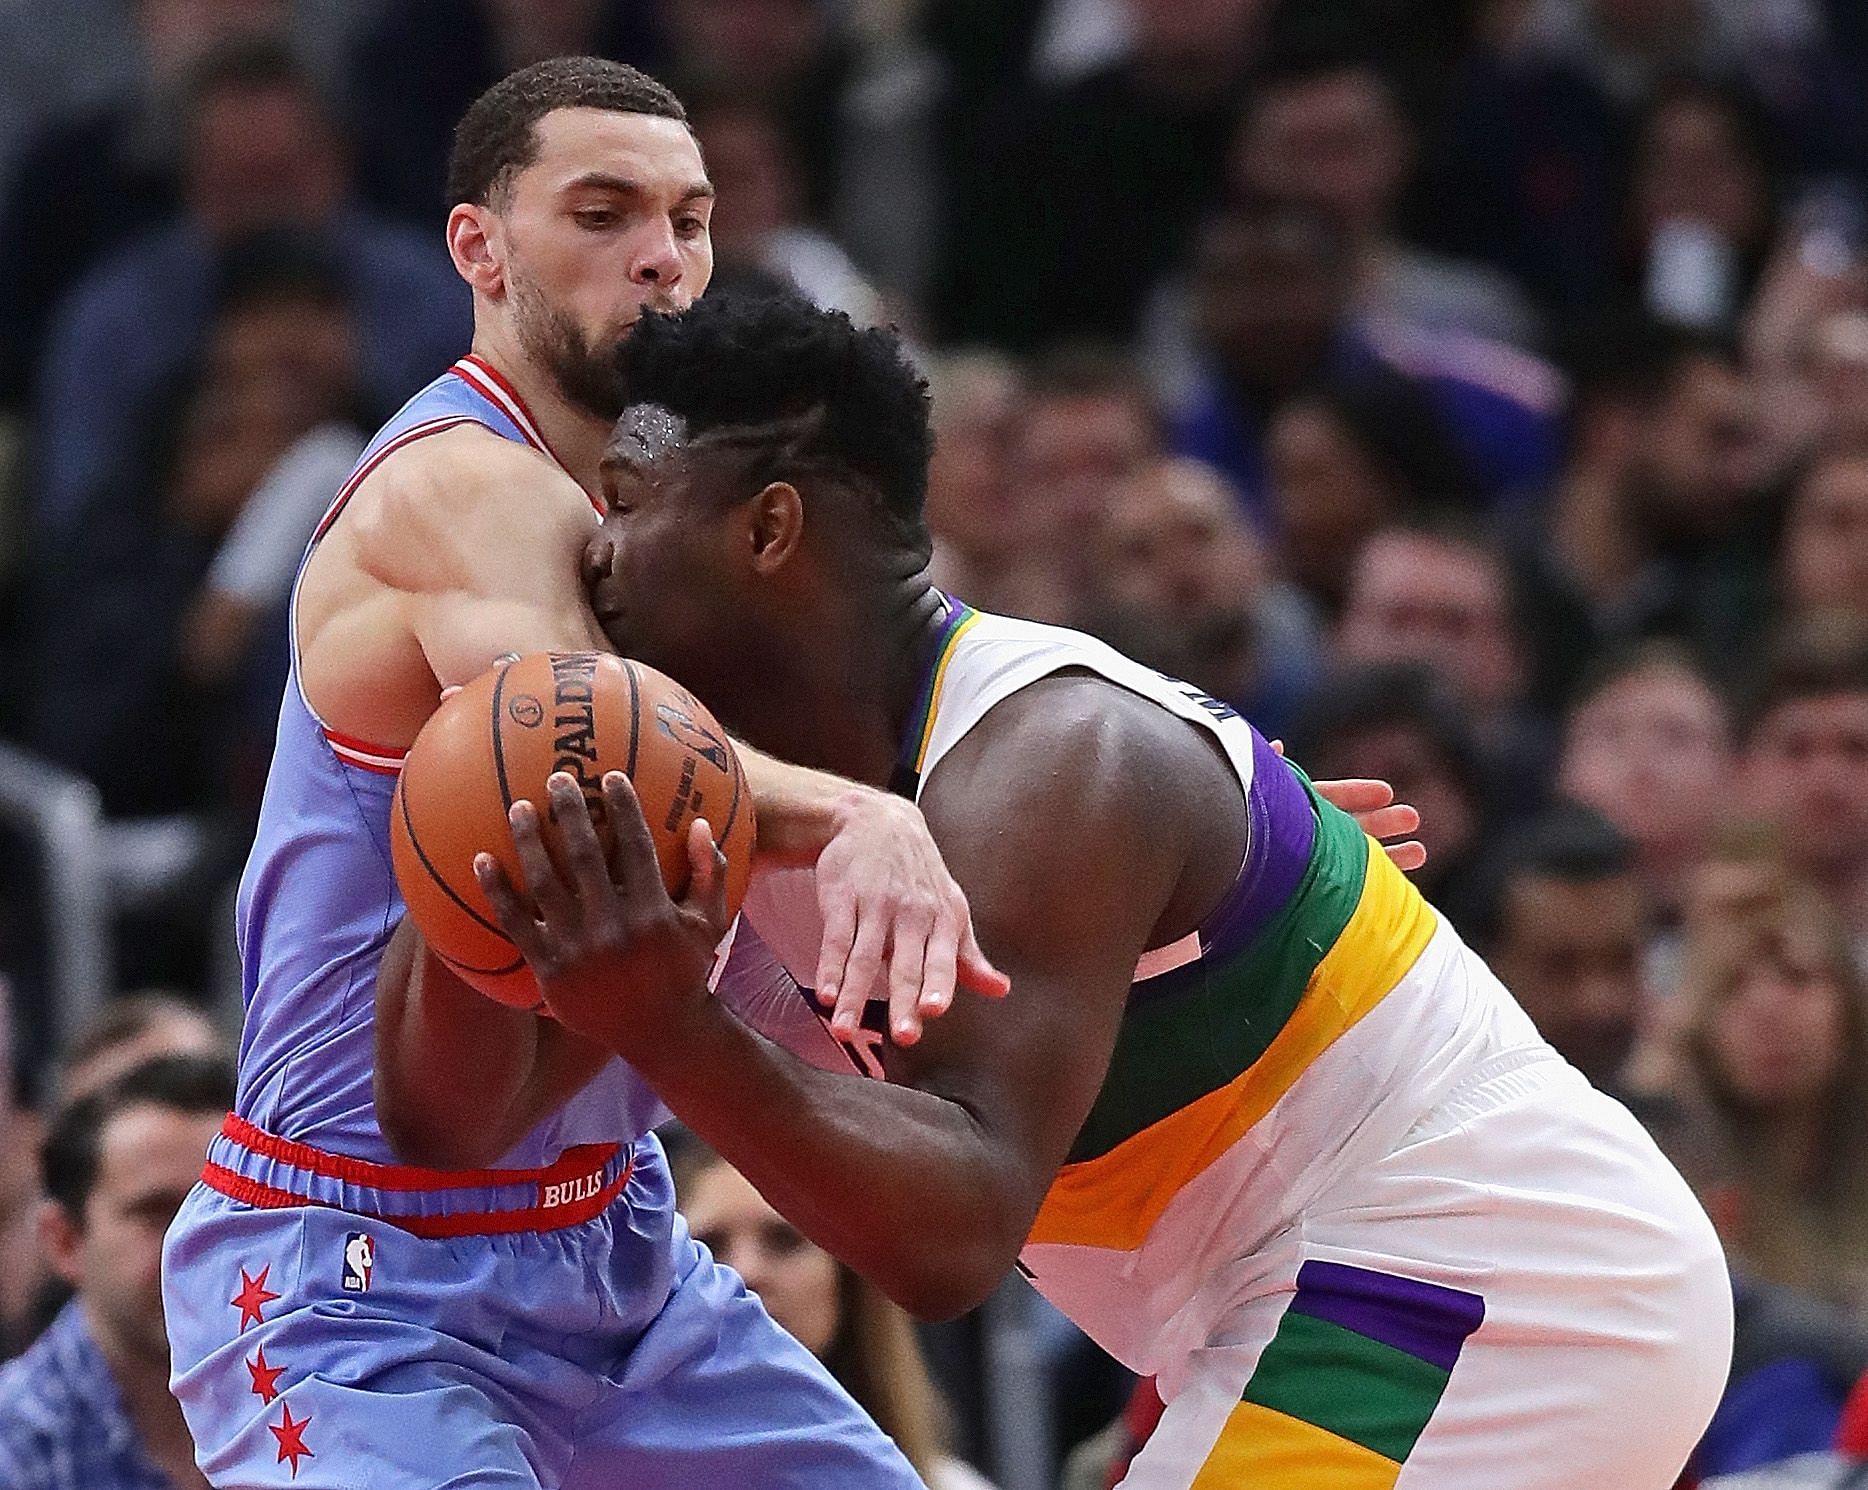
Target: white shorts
1524,1295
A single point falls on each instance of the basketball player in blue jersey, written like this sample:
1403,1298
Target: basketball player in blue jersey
1254,1116
485,1283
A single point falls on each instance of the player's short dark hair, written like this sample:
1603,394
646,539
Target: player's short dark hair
498,134
806,391
1818,661
73,1147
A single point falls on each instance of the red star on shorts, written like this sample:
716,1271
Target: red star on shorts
254,1295
265,1378
291,1438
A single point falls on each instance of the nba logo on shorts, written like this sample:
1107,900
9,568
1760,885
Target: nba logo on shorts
359,1261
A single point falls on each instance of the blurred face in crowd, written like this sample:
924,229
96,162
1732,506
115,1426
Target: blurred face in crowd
1838,372
1570,951
1178,559
751,165
610,219
1328,494
1268,296
1651,751
746,47
1806,770
1071,450
237,428
260,157
971,502
1194,31
1646,23
1825,546
1776,1037
1702,459
1417,597
1694,164
1336,142
794,1277
308,339
149,1159
177,33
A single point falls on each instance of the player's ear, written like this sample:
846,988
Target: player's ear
60,1240
775,526
473,244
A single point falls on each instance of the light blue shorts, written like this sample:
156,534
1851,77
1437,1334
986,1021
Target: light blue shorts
321,1346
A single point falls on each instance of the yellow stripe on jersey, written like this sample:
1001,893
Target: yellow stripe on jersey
1114,1200
1261,1447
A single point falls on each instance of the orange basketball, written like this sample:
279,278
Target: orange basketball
498,739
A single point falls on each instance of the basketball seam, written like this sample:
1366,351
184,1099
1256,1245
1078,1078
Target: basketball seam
408,828
635,719
499,744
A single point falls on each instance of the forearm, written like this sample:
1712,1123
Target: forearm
455,1071
903,1185
799,810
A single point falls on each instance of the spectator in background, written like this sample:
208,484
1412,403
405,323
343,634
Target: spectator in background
1803,763
1184,585
760,222
867,1342
1094,188
168,583
1527,171
87,1407
973,508
1325,126
417,67
1087,423
134,1028
1648,744
259,152
1794,1357
91,183
1702,205
1397,723
1661,523
1349,458
1838,378
1436,592
1775,1043
1273,310
1822,571
1567,935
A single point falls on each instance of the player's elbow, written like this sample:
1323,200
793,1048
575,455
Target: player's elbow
944,1279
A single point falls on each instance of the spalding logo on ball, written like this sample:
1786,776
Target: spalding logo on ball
497,741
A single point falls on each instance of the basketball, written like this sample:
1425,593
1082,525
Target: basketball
499,739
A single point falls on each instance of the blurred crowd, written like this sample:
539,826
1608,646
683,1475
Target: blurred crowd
1474,394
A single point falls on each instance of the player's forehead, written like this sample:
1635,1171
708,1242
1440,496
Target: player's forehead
578,145
647,436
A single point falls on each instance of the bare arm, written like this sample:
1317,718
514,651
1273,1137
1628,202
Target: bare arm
464,547
1069,828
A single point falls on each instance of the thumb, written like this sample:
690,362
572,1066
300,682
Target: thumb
706,875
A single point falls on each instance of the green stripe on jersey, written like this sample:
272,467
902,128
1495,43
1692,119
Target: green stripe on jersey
1357,1388
1203,1025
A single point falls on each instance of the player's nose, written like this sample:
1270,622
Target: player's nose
658,256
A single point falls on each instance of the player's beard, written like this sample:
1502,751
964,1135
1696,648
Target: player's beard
586,375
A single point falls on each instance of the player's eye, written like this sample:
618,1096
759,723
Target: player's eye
595,218
690,226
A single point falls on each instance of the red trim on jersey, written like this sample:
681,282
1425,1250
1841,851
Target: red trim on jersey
573,1163
467,1223
408,436
487,380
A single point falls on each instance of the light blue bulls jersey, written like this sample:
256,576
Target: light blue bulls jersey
338,1319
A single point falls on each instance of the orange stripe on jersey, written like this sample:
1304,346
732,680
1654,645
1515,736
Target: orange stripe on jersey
1114,1200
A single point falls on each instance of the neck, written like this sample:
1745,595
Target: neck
842,704
574,436
142,1380
1793,1145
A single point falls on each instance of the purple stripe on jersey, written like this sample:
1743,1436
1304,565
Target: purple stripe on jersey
1425,1320
1284,829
